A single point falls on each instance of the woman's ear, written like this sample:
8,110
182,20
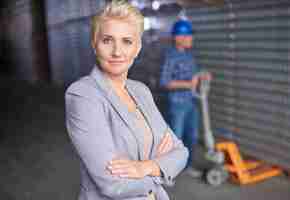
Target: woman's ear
93,44
93,41
138,49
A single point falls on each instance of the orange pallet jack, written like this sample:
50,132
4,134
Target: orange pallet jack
245,171
215,174
225,157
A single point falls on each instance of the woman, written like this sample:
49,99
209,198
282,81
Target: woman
126,149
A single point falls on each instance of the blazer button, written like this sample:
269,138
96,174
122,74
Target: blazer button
150,191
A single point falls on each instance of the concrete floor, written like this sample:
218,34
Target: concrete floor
37,161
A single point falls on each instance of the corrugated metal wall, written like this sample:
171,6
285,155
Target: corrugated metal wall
146,67
24,40
246,44
68,25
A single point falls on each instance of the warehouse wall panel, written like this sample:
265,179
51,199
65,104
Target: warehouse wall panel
246,45
24,40
70,52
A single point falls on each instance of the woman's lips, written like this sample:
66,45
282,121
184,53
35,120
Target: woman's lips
116,62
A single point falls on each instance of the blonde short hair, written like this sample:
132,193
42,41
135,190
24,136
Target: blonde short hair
117,9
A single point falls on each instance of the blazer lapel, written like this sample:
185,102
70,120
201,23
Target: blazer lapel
103,84
143,108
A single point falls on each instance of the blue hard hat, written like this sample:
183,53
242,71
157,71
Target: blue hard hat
182,27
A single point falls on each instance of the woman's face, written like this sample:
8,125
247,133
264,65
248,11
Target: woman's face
117,44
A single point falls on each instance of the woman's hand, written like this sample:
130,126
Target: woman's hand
165,145
125,168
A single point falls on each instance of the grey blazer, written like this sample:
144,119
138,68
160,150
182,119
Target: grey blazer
101,128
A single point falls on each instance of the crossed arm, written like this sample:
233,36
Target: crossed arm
125,168
124,178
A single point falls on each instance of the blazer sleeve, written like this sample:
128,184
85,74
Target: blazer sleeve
173,162
90,134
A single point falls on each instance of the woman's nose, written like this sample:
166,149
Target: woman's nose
117,50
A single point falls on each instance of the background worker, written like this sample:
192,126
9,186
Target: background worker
179,75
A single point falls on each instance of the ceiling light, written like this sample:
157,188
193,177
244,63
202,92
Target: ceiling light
155,5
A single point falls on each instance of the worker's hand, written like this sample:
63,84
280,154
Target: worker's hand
165,145
194,82
206,76
125,168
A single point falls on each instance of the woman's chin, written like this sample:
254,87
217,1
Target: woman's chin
117,72
115,69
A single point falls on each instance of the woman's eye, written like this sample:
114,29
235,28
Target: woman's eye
128,42
106,40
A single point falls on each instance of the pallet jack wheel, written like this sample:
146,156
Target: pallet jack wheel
216,176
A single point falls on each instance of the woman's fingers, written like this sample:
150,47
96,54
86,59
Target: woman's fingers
166,145
119,167
119,161
127,168
162,143
118,164
169,143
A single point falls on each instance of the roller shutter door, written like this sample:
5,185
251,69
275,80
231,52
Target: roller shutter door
68,25
246,46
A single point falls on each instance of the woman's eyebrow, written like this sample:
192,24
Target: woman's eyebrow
109,36
129,38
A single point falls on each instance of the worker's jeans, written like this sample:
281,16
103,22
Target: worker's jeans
184,121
